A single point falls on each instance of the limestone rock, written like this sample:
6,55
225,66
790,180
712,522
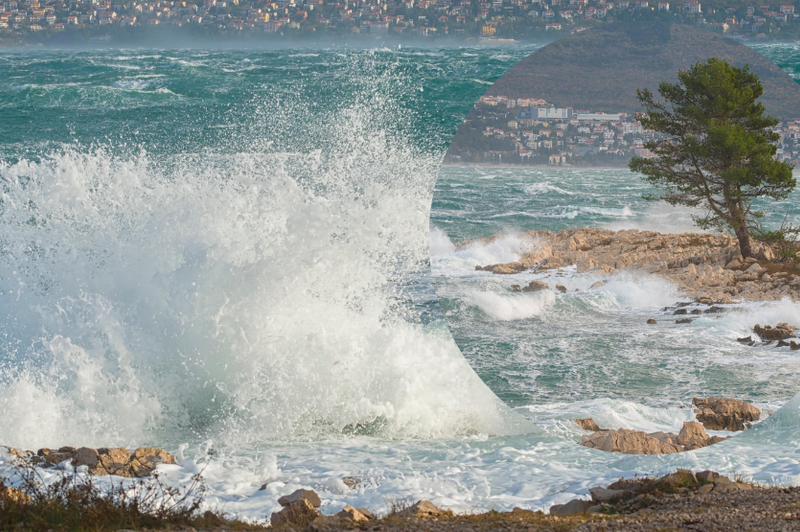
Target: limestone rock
587,424
536,286
707,476
606,495
13,495
664,437
299,512
725,414
113,462
707,266
575,506
628,442
146,459
733,265
424,510
118,461
780,332
353,514
302,494
755,268
693,436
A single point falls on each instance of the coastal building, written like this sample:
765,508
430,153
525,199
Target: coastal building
601,117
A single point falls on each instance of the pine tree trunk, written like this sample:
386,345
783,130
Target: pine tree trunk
744,239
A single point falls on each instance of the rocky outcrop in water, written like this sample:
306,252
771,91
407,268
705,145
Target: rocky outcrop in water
102,461
625,441
587,424
725,414
702,265
782,331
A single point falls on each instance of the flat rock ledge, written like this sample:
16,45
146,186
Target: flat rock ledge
703,266
102,461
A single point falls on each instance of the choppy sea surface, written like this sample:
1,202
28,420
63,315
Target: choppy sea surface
226,253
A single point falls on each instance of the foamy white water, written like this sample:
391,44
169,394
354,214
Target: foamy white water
239,274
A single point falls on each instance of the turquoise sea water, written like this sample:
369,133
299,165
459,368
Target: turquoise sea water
228,250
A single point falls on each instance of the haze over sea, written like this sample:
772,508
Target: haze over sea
228,251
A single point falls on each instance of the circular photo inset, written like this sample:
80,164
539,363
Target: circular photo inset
614,238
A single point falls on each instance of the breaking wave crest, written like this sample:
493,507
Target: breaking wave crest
243,297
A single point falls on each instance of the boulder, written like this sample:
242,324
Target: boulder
353,514
724,484
145,460
13,495
118,461
113,462
628,442
306,495
85,456
780,332
587,424
725,414
683,321
755,268
536,286
607,495
693,436
680,478
575,506
299,513
509,268
707,476
561,288
651,321
424,510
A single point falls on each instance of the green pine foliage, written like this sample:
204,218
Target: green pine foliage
719,153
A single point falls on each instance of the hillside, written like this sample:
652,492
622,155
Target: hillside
601,69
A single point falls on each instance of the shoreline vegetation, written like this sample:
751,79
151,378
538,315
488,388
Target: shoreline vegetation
702,500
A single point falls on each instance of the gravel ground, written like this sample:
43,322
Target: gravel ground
756,510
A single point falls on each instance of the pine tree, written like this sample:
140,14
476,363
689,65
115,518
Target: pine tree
718,150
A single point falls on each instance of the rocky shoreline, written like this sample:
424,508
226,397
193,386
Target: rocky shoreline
683,500
703,266
118,461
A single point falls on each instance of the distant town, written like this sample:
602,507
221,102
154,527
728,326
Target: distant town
123,20
531,131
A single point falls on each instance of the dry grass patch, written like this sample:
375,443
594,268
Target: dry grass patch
77,503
